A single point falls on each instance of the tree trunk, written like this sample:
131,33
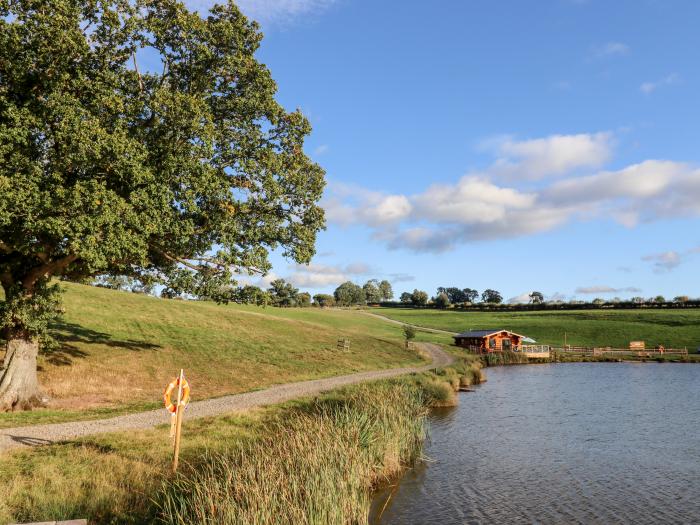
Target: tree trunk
19,386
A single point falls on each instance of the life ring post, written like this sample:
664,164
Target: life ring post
179,407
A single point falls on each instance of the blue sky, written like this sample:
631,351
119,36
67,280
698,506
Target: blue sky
518,145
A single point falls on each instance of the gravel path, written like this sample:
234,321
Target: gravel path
46,434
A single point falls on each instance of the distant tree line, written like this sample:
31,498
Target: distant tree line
282,293
470,299
450,296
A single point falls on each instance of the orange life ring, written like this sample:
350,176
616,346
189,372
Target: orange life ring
169,405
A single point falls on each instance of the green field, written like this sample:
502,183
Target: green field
118,350
616,328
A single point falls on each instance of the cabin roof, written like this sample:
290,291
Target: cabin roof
483,333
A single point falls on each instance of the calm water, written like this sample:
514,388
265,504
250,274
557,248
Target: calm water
564,443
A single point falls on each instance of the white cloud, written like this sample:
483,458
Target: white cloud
649,87
320,275
370,207
401,277
320,150
606,289
612,49
261,281
471,200
519,299
556,297
554,155
664,262
670,260
476,207
639,180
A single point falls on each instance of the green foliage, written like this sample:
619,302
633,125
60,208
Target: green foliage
536,297
386,291
491,296
409,332
372,292
419,297
442,301
406,297
470,295
323,300
21,315
504,358
114,282
439,392
304,299
348,294
250,294
283,293
455,295
183,175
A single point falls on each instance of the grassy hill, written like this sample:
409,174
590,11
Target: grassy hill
118,350
671,328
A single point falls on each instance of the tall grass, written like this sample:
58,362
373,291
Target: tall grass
313,461
315,465
504,358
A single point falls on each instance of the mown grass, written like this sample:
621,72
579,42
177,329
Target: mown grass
118,350
615,328
313,461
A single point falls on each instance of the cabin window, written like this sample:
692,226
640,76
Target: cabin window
506,344
492,343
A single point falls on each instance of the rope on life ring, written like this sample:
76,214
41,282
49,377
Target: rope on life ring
169,405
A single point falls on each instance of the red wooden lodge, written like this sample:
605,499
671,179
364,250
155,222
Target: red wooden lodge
485,341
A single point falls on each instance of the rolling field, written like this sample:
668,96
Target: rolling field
616,328
118,350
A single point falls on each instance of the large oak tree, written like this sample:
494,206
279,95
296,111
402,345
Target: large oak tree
138,138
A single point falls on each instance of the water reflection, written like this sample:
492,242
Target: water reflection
567,443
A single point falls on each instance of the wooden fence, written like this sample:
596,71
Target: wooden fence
544,351
607,350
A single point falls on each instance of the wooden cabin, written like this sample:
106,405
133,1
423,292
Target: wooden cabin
485,341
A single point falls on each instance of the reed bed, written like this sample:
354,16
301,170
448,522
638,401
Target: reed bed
312,461
504,358
314,465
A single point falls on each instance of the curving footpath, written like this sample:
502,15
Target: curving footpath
401,323
46,434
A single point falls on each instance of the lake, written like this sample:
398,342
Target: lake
560,443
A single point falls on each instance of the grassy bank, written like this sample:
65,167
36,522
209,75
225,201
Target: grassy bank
616,328
310,461
118,350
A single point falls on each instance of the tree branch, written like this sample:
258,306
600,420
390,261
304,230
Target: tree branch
136,68
46,270
6,280
176,259
187,262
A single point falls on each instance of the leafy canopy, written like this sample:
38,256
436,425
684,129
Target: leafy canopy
348,294
184,172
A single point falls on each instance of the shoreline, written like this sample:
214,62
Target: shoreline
292,456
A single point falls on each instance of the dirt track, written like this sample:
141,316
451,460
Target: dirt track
46,434
401,323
